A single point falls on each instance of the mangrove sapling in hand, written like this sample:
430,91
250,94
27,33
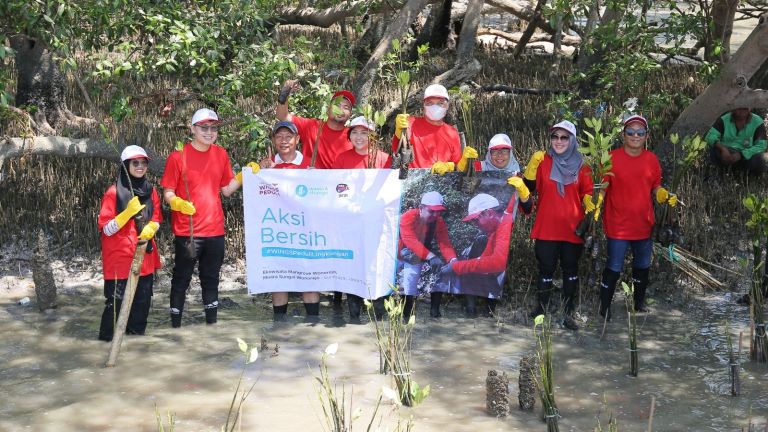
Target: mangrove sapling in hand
758,225
393,339
629,295
545,383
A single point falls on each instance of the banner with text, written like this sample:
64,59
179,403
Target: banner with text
321,230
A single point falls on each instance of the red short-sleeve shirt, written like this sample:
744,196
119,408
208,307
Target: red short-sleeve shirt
331,144
431,143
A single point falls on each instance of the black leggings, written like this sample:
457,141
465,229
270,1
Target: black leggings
548,252
209,255
137,319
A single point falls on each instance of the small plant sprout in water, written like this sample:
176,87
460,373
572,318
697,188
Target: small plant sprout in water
234,416
542,330
758,225
629,297
393,339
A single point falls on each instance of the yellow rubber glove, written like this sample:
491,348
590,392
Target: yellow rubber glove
590,206
663,196
180,205
401,122
468,153
149,230
533,165
441,168
519,184
253,166
133,207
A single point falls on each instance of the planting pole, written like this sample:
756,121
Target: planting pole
125,309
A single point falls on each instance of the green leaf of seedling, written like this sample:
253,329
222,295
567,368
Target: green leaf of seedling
674,139
253,355
332,348
242,345
539,320
396,45
179,145
628,289
368,304
412,320
403,78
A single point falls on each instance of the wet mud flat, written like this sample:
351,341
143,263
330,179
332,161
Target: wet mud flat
53,377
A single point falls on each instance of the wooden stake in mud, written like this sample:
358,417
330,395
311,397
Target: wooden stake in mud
125,309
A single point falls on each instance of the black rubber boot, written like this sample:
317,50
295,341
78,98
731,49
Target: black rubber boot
409,307
177,308
607,287
544,288
434,304
313,312
279,312
570,288
640,283
211,312
337,299
471,307
355,304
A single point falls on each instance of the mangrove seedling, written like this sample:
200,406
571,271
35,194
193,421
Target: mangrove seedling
542,331
734,364
250,355
629,296
758,225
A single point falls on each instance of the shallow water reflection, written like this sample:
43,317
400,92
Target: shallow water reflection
53,377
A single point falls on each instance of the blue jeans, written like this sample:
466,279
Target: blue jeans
642,250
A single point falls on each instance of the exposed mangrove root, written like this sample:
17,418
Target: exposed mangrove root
526,382
497,394
42,275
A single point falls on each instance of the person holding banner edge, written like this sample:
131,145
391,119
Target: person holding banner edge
195,177
419,228
285,138
130,211
563,185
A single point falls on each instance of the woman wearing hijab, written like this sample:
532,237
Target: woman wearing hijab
499,156
130,210
562,181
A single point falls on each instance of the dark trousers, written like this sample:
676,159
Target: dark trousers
137,319
757,164
208,255
548,254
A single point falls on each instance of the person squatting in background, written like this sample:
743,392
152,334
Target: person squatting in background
562,182
285,138
362,155
628,213
435,143
419,228
130,211
195,177
738,139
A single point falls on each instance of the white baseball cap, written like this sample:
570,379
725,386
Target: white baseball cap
433,201
133,152
500,141
478,204
205,115
361,121
436,90
566,126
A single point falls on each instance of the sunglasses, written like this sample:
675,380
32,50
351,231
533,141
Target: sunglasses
209,128
556,137
633,132
139,163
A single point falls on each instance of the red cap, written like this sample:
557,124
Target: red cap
346,94
636,118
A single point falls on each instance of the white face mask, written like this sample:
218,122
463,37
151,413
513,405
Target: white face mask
435,112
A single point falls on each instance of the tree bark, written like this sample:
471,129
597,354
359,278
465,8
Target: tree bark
318,17
532,24
42,275
723,13
69,147
363,47
441,28
522,10
726,93
611,17
364,80
468,37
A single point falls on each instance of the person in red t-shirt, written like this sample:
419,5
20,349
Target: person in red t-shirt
285,138
628,213
562,182
435,144
481,269
130,211
330,135
193,181
360,133
419,229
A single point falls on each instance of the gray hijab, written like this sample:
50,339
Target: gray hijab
566,166
512,166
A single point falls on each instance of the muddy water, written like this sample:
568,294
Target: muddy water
53,379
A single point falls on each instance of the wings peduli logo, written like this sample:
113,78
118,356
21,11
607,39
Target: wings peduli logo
312,191
341,189
266,189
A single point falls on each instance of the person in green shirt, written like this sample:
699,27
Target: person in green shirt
738,139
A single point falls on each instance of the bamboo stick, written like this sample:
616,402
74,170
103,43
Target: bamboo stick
125,309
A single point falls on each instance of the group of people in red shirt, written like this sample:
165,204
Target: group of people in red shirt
198,174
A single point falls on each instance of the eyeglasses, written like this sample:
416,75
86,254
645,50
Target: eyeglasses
139,163
209,128
633,132
556,137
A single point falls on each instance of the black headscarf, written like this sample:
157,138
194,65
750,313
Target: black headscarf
138,186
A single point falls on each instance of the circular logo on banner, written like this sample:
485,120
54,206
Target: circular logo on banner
301,190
